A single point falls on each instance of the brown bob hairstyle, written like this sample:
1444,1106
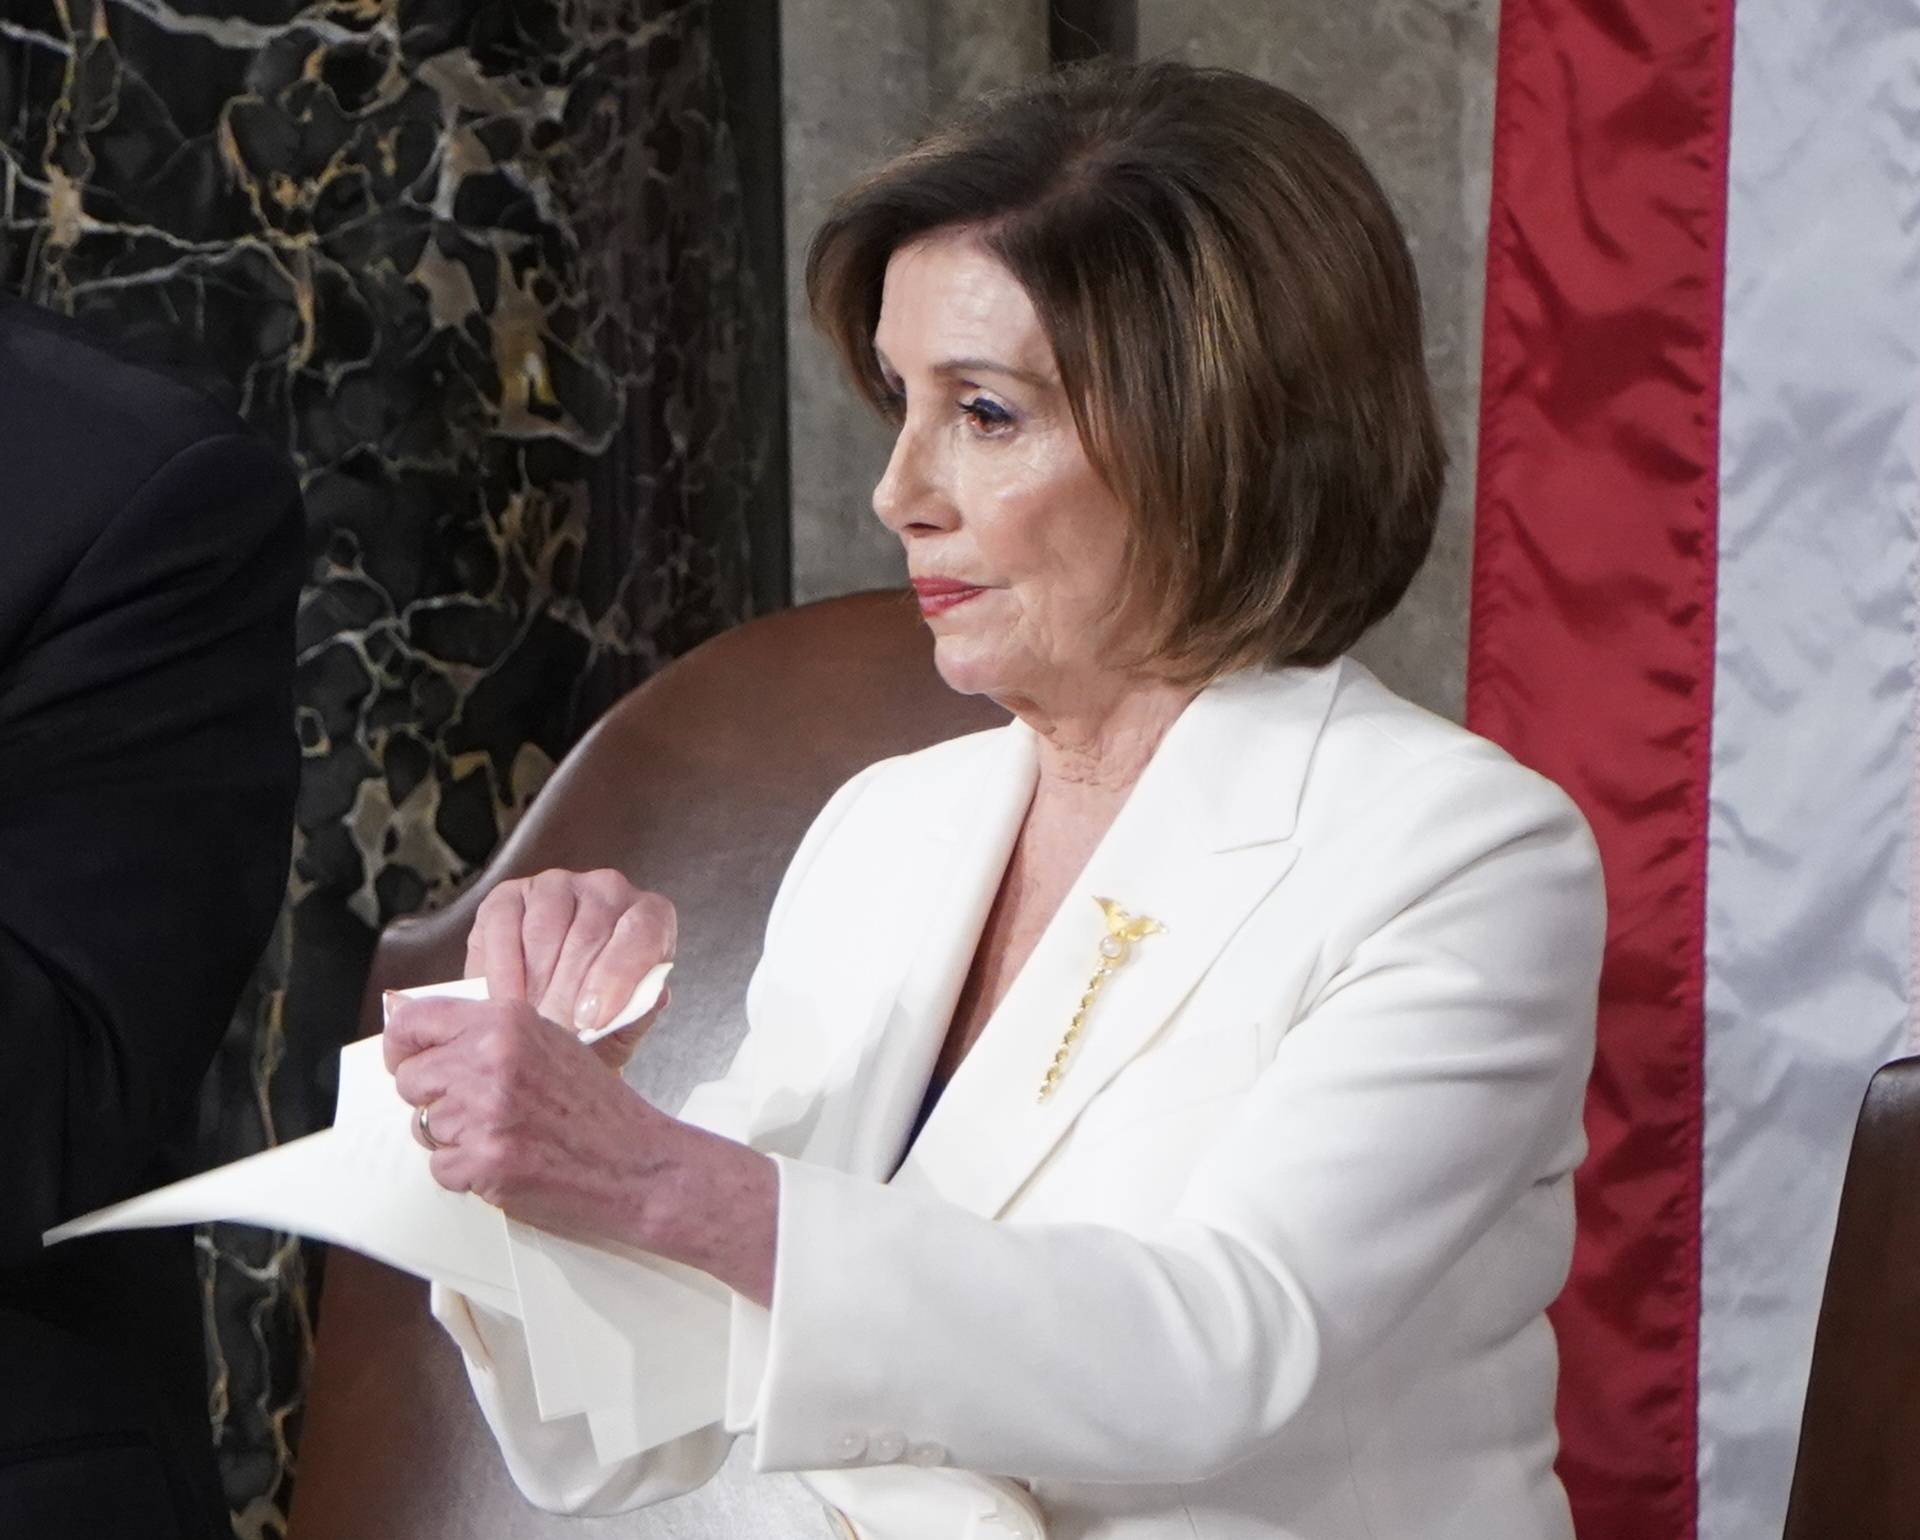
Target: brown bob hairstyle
1236,322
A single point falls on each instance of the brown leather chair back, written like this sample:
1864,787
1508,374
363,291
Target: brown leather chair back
699,785
1857,1474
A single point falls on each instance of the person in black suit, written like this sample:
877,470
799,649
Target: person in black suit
149,566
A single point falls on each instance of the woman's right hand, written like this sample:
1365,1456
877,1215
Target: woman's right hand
573,945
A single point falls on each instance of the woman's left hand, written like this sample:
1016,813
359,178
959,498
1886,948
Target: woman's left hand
524,1115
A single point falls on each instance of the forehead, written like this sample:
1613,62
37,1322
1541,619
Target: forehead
947,296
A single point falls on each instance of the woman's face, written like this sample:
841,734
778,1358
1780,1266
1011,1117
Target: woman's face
1014,544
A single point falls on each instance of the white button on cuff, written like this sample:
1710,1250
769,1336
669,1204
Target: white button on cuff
886,1447
927,1454
850,1446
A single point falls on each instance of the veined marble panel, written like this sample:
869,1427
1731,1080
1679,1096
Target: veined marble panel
478,265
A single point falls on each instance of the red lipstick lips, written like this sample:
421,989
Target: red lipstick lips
938,595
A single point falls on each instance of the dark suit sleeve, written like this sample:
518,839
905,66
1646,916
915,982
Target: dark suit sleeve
147,775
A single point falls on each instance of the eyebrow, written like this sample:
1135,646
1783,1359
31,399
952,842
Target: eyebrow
989,366
975,366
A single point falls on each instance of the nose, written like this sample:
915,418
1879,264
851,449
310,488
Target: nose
909,497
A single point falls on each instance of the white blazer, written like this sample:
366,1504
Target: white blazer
1273,1259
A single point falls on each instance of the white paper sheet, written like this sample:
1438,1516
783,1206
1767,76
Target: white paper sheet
592,1294
365,1183
646,995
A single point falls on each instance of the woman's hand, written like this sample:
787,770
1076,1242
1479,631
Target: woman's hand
573,945
526,1116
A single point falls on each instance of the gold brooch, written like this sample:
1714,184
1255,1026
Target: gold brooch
1116,945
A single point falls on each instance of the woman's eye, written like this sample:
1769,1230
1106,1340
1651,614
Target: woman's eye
988,416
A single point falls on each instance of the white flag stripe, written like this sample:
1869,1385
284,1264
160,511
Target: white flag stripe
1808,930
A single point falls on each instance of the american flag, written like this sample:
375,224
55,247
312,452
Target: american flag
1694,607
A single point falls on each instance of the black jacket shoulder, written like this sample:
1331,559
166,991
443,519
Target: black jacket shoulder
149,566
85,424
93,442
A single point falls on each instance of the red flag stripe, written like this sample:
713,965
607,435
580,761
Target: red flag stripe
1591,648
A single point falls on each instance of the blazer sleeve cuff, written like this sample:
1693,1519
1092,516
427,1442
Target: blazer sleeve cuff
908,1330
818,1394
749,1336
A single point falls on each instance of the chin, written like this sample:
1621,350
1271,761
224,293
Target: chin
968,668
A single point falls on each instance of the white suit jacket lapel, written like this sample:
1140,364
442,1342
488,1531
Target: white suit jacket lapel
870,1094
1203,839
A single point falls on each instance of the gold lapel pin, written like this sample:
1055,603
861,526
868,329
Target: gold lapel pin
1123,930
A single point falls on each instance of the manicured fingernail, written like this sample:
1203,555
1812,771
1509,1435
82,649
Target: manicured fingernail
586,1013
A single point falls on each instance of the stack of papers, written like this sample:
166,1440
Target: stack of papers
365,1184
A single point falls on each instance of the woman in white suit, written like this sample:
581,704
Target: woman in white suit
1157,1118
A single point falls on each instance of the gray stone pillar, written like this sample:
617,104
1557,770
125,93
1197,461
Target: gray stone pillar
862,78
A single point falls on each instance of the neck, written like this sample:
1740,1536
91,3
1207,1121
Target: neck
1094,744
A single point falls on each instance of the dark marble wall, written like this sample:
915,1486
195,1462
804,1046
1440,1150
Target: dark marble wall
487,269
